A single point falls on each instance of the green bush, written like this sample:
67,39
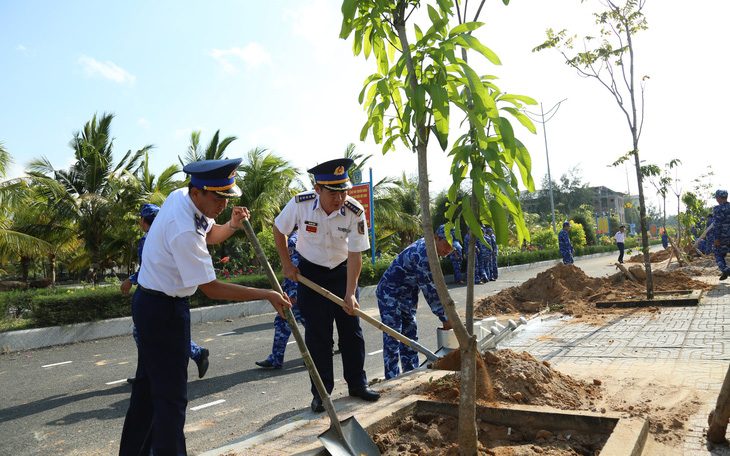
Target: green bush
84,304
545,239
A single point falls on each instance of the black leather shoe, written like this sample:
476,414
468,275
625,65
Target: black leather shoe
364,392
130,380
266,364
725,275
317,406
203,362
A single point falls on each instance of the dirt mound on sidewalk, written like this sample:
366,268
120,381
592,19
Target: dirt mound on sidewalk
656,257
566,288
517,378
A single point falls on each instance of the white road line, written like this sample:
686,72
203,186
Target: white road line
292,342
219,401
375,352
117,381
57,364
226,334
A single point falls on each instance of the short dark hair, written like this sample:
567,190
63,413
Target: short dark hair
149,220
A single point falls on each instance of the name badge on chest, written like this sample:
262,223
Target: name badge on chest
310,227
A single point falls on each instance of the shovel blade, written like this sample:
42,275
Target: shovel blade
352,441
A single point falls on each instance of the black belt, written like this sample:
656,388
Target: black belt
155,292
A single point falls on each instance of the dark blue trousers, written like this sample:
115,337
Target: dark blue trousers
156,414
320,313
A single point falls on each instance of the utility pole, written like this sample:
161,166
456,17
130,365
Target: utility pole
547,156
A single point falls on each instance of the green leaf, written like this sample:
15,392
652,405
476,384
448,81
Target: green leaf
349,8
440,108
472,42
469,216
371,78
465,27
366,41
507,133
523,119
500,222
524,163
514,98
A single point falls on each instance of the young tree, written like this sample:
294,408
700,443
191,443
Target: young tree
613,51
410,99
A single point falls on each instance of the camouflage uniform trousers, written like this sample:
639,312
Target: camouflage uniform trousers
485,259
456,265
282,331
720,253
398,311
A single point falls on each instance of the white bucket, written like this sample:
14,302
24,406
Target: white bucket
445,338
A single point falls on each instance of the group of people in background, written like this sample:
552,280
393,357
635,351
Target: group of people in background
485,260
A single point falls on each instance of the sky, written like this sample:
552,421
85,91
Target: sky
276,75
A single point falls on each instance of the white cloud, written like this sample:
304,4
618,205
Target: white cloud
144,123
319,24
108,70
20,48
254,55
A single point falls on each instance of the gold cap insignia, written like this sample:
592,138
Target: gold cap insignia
340,171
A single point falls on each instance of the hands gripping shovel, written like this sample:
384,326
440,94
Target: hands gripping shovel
343,438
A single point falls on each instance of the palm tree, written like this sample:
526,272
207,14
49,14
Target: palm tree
154,189
93,184
397,211
14,200
266,185
214,151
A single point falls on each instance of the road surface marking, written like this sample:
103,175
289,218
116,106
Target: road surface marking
226,334
375,352
57,364
219,401
117,381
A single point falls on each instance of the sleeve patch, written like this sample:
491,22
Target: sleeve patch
353,208
361,227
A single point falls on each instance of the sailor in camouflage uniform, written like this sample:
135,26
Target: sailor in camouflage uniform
477,257
710,237
566,247
455,257
397,295
282,331
721,217
494,273
485,257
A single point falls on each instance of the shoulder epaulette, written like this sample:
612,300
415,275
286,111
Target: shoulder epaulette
305,197
354,208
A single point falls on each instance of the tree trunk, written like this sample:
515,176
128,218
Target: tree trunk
24,264
52,268
468,433
467,428
644,230
718,418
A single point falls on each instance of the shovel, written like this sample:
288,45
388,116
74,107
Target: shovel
385,328
346,438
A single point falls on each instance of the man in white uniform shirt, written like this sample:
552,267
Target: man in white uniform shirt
620,237
332,235
175,263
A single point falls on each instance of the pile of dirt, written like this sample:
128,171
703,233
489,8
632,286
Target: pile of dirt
431,434
656,257
517,378
513,378
567,289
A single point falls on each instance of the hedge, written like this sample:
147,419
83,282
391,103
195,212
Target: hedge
49,307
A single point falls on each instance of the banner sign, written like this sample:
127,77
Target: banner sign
362,194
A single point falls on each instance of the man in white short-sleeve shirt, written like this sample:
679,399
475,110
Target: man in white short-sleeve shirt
175,262
332,235
620,237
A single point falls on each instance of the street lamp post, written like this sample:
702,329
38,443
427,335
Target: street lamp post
547,156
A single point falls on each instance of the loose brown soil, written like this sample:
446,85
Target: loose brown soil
514,378
567,289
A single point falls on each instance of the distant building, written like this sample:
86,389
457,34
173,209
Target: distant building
606,200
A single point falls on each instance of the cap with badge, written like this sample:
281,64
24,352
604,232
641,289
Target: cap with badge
332,174
218,176
149,210
721,194
566,224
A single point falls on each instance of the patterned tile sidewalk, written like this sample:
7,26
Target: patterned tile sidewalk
689,344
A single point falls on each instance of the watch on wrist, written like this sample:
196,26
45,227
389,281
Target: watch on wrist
231,226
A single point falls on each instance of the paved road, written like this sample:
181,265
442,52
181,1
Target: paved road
72,399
